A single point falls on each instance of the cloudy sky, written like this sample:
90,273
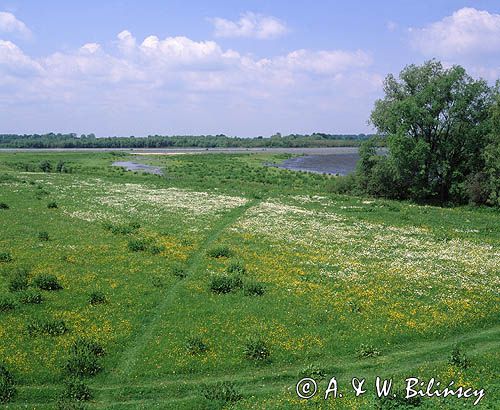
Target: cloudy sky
235,67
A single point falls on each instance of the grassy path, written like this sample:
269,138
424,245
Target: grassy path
120,375
272,379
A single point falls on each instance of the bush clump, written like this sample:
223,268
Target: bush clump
223,284
5,257
52,205
47,282
7,384
178,271
253,288
365,351
257,350
219,252
43,236
7,304
459,358
47,327
137,245
85,358
224,392
76,390
97,298
30,297
195,345
18,280
3,205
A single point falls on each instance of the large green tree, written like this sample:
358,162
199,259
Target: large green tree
435,120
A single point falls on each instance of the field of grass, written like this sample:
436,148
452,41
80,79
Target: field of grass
225,270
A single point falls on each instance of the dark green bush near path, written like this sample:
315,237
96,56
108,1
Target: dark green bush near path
458,358
7,384
43,236
85,358
195,345
366,351
47,327
257,350
76,390
5,257
97,298
397,400
223,392
47,282
30,297
3,205
137,245
52,205
219,252
225,283
18,280
7,303
253,288
179,271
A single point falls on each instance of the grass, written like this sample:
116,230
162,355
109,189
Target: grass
353,286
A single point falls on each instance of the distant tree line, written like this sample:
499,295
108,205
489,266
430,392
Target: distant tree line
442,130
71,140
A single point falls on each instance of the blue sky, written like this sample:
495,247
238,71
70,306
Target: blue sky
241,68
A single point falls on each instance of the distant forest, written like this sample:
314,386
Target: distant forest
52,140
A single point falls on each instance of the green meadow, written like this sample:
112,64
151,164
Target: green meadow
224,282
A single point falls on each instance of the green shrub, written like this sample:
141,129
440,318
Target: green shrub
236,267
178,271
30,297
257,350
224,283
253,288
97,298
7,384
76,390
3,205
195,345
18,280
156,249
45,166
224,392
459,358
5,257
7,304
137,245
43,236
47,327
52,205
47,282
312,371
84,358
219,252
365,351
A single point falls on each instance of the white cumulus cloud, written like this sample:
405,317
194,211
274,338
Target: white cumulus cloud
466,32
250,25
10,24
153,83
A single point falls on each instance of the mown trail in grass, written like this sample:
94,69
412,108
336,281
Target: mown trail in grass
177,392
121,374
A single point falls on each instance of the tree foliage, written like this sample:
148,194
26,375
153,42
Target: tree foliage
436,121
